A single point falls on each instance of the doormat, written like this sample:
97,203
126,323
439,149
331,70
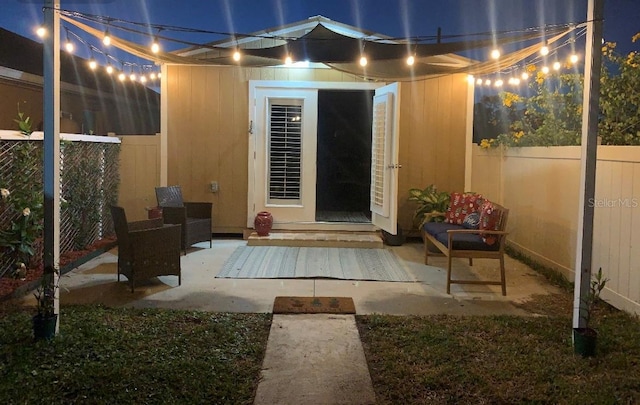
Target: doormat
314,305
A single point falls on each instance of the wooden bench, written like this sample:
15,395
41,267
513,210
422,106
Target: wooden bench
454,240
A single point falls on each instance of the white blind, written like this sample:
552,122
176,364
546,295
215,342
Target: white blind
379,132
285,151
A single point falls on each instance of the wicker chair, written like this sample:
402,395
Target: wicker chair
146,248
195,217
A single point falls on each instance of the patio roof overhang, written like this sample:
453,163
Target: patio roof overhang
386,57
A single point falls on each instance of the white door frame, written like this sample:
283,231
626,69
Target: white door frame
256,86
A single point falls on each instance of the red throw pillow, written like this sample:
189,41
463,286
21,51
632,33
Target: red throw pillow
489,220
461,205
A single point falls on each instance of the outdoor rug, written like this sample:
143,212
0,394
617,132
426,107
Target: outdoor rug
314,305
314,262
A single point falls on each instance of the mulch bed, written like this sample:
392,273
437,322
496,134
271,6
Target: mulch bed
68,261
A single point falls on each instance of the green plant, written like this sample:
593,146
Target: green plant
431,204
595,288
45,294
23,203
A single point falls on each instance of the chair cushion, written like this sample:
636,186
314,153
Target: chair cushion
434,228
465,241
461,205
489,220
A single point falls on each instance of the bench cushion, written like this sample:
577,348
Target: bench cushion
434,228
466,241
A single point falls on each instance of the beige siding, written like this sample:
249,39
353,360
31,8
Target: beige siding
139,174
208,122
541,188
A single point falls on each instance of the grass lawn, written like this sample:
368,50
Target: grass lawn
502,359
105,355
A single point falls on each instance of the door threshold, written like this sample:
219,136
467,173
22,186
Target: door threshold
362,240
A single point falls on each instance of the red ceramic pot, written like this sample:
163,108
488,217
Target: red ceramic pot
263,223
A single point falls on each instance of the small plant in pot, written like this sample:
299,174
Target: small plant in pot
431,205
44,322
585,339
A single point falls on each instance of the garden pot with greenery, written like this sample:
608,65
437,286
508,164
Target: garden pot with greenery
44,322
431,206
585,339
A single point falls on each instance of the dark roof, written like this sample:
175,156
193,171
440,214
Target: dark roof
26,55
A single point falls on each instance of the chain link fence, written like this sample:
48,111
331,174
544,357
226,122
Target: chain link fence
89,179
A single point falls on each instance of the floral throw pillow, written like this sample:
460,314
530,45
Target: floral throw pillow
489,220
461,205
471,221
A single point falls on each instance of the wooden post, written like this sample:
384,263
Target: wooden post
51,143
591,95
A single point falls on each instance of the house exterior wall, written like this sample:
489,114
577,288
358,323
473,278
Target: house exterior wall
541,188
207,139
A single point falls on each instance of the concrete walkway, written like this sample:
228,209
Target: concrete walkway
313,359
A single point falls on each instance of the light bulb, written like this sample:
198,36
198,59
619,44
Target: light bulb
143,79
69,46
122,76
516,81
544,51
155,46
159,75
41,31
109,69
525,76
495,54
106,39
499,83
545,69
236,55
487,82
510,81
573,58
411,60
93,64
479,81
363,61
288,60
470,79
557,65
132,77
152,76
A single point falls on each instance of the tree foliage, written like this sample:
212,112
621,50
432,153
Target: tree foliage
552,114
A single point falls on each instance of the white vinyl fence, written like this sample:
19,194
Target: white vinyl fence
541,186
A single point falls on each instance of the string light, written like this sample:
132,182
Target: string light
288,60
41,31
93,64
545,69
499,83
106,39
363,61
122,76
152,76
411,60
109,69
557,65
159,75
573,58
544,51
155,46
524,75
68,46
495,54
471,79
478,81
487,82
236,55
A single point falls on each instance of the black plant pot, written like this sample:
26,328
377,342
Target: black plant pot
584,341
393,240
44,327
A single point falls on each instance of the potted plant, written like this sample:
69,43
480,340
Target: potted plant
585,339
431,205
44,321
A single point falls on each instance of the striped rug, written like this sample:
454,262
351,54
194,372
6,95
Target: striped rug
314,262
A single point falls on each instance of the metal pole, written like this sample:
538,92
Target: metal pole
51,142
591,96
